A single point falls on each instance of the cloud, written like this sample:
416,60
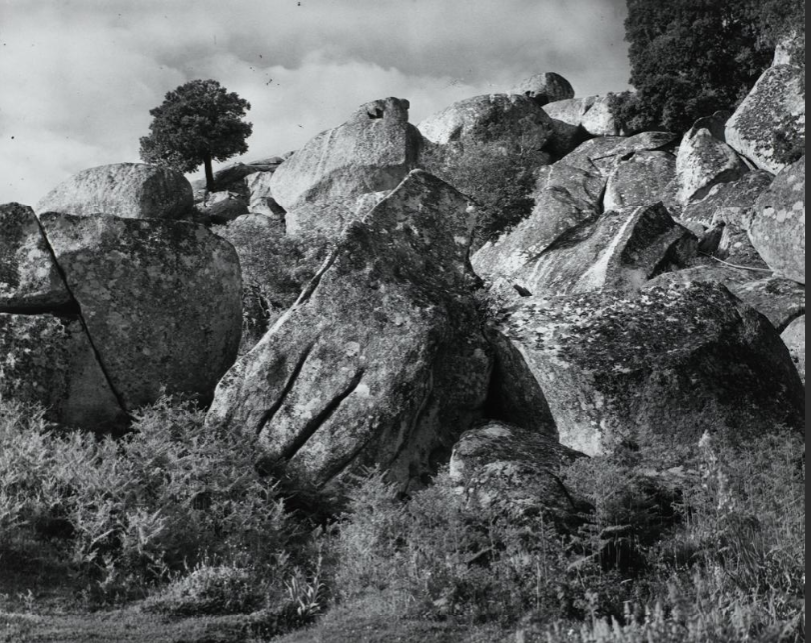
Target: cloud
79,77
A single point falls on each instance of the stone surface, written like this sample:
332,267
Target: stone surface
779,300
221,207
544,88
29,278
702,162
591,113
794,338
329,217
127,190
382,359
661,367
160,300
619,249
735,247
505,464
776,103
732,202
602,153
260,194
565,197
49,361
778,229
373,151
639,180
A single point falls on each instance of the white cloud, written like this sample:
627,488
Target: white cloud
78,78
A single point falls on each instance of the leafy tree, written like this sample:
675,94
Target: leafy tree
690,58
198,122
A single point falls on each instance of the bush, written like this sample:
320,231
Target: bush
134,512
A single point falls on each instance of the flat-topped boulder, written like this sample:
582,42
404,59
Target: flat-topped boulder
382,360
659,367
126,190
373,151
161,300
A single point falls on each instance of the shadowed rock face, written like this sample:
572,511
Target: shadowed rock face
161,300
127,190
382,359
659,367
373,151
29,279
776,102
778,229
50,361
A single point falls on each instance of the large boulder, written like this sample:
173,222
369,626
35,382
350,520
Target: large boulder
382,359
591,113
29,278
639,178
702,162
329,217
50,361
619,249
544,88
601,154
565,197
516,468
160,300
778,229
126,190
794,338
775,105
372,151
658,368
222,207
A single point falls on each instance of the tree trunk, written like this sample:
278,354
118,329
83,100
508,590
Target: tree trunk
209,173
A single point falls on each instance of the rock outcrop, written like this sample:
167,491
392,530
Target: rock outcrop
161,301
126,190
731,202
382,359
778,229
372,151
639,178
601,154
775,104
659,367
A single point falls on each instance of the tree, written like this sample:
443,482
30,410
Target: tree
198,122
690,58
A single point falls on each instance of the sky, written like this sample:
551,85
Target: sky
78,77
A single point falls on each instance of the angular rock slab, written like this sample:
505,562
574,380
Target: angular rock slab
382,360
732,202
29,278
778,229
505,464
127,190
619,249
591,113
49,361
161,300
373,151
565,197
702,162
639,180
776,103
658,368
794,338
601,154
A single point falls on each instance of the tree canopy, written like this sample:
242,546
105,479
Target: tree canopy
197,123
690,58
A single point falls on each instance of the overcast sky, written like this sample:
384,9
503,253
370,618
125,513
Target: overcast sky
78,77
